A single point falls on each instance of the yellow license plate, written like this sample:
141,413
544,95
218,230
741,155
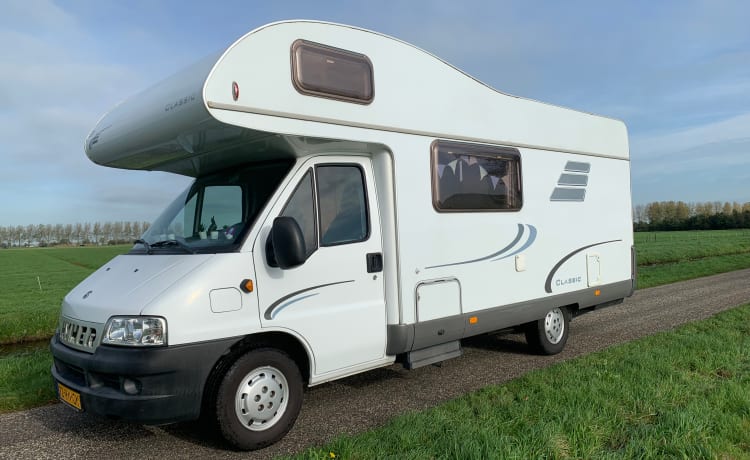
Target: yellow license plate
68,396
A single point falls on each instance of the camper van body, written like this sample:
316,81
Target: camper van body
539,230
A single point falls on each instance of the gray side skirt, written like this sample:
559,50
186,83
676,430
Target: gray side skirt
407,337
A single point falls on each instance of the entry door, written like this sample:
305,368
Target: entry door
335,299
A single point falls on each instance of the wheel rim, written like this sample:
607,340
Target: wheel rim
554,326
261,398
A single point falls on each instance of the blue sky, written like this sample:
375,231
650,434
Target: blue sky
677,73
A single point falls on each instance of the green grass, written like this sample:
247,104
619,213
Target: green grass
34,283
679,394
668,257
25,380
655,248
657,275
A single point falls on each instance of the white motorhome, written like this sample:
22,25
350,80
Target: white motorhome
357,202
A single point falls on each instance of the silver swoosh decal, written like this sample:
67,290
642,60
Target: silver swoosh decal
501,254
282,302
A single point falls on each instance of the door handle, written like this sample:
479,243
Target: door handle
374,262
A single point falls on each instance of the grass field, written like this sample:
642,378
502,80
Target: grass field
34,283
658,248
667,257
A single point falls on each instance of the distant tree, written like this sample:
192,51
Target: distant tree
726,209
78,232
655,213
87,232
682,211
97,232
639,213
117,231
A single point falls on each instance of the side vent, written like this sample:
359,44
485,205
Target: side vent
571,186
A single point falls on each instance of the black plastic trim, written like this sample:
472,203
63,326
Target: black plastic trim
171,379
407,337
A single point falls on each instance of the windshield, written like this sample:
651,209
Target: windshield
215,212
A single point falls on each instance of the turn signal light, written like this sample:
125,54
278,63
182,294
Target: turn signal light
473,320
597,293
247,286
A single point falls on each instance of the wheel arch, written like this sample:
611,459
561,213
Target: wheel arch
286,342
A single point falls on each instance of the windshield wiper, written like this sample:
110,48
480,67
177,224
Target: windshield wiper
145,243
161,244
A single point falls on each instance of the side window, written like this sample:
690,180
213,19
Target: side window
301,207
325,71
343,206
471,177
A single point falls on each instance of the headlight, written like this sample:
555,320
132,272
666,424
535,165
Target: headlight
136,331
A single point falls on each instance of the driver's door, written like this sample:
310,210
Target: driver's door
335,299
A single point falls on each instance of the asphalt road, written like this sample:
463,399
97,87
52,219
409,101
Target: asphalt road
368,400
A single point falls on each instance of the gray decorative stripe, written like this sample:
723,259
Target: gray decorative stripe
548,283
282,303
568,194
573,179
498,253
576,166
528,243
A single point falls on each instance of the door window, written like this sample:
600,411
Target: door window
343,204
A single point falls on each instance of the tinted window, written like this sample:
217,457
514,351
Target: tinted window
325,71
343,208
471,177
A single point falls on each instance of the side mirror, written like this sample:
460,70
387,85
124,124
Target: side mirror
287,242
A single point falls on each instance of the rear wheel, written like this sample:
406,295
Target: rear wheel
548,335
259,399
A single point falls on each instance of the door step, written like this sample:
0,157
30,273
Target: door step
433,354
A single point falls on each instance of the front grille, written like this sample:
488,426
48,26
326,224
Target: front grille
80,335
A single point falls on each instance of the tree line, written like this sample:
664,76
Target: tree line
97,233
656,216
678,215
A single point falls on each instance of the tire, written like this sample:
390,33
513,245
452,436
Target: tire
548,335
258,399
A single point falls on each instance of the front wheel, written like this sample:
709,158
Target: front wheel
259,399
548,335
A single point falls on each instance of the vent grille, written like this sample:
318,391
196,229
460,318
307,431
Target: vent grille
572,182
80,335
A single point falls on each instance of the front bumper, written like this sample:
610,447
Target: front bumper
169,380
